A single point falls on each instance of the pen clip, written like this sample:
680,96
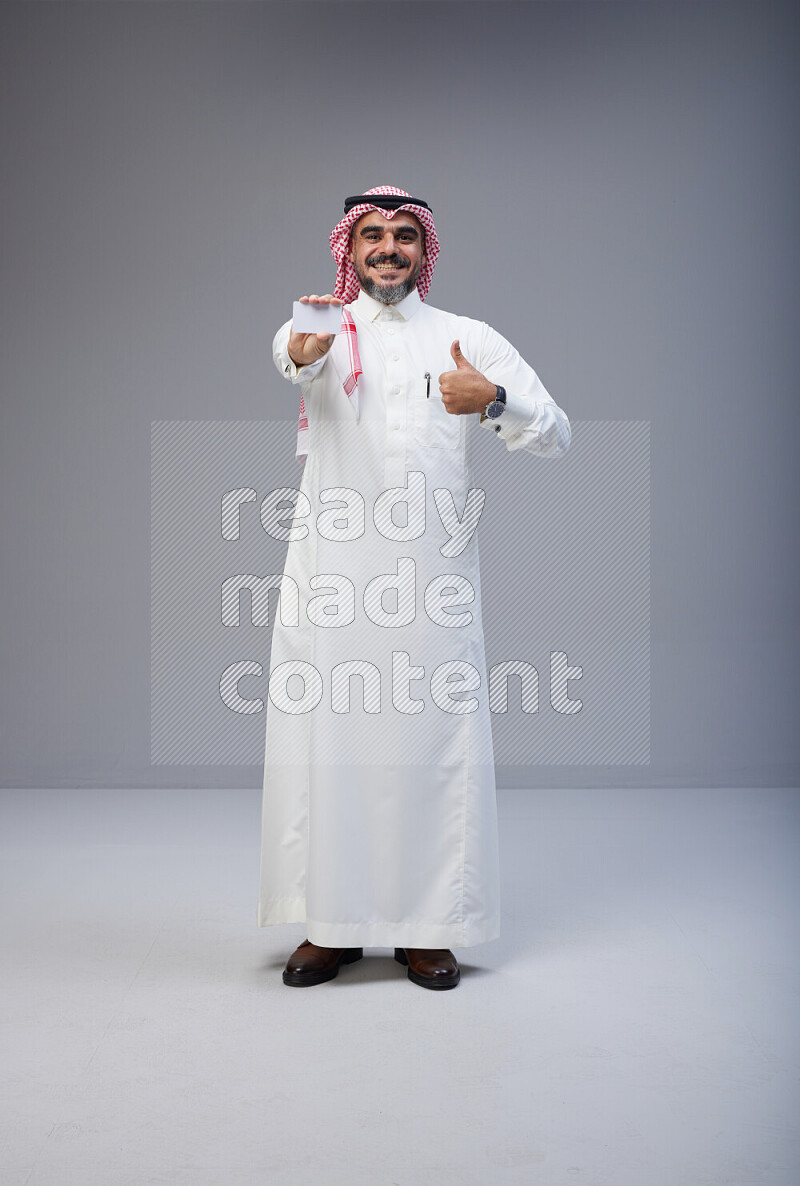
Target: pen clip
427,384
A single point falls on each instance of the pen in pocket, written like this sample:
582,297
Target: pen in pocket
427,384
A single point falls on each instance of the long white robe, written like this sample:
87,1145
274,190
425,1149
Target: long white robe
379,817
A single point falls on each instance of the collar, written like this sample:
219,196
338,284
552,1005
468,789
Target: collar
370,309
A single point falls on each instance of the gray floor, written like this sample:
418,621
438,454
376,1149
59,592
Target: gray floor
635,1025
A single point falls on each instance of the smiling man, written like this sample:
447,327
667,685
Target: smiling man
387,254
379,822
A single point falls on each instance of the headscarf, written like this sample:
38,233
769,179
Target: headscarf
347,283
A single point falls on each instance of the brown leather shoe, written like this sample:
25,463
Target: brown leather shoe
310,964
430,967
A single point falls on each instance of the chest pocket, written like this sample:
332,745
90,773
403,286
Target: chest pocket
434,426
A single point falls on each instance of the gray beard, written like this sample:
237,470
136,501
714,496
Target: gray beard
387,295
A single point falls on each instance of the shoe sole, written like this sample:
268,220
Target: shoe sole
426,981
306,979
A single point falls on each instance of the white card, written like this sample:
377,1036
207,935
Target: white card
316,319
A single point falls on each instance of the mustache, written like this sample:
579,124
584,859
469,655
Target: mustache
397,261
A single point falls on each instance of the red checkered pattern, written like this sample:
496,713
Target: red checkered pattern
350,384
347,287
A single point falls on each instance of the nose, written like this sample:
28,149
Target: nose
388,244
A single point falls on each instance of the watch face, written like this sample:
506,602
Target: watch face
495,408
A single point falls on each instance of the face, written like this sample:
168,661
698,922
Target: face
387,254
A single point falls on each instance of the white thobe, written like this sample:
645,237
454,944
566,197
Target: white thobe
379,816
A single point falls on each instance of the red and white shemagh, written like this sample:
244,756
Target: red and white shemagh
347,288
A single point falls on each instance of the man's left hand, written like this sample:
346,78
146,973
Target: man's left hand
465,390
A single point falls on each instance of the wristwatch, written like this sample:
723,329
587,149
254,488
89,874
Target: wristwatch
496,407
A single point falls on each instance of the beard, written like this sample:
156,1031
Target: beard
388,294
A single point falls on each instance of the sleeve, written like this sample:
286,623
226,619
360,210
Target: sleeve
283,362
532,420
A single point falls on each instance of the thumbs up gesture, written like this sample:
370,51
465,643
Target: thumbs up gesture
465,389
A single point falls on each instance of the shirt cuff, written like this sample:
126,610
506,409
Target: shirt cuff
519,412
291,371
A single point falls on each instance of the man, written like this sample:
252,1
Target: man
379,821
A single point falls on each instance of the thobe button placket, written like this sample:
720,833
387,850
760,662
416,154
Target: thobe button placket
395,459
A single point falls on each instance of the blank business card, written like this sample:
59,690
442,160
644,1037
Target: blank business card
316,319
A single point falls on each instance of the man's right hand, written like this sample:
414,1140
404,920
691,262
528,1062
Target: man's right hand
306,348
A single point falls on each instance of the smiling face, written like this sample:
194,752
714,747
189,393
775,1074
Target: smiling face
387,254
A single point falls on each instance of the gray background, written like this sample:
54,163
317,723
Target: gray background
615,189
